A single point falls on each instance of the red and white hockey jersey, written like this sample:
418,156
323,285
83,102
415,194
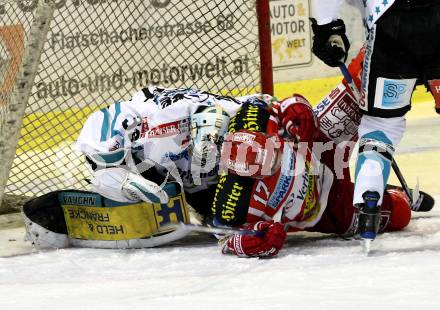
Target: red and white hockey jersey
300,188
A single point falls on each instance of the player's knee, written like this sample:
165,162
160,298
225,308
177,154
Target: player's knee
397,203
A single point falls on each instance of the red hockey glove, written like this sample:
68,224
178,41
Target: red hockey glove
251,154
254,246
298,119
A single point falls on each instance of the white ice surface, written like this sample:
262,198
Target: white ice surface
311,272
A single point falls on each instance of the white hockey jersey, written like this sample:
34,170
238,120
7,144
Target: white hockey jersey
154,126
324,11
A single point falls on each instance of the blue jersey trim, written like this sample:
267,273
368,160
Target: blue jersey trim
117,112
105,123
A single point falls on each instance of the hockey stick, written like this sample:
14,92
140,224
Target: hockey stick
213,229
413,198
349,79
403,182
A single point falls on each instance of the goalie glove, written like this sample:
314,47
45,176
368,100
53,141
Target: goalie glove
330,43
268,245
136,188
297,118
125,186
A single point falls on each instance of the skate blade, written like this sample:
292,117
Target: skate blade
366,246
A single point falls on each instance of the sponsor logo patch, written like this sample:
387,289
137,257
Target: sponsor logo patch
167,129
393,94
285,181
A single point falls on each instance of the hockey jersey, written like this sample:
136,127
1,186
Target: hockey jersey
300,189
327,10
154,127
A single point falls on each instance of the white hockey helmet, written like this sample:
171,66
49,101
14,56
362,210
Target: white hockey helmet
209,124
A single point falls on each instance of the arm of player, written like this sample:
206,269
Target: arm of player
267,245
252,154
330,42
107,136
99,141
326,11
434,87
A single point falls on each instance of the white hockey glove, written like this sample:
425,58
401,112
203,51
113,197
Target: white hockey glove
135,187
124,186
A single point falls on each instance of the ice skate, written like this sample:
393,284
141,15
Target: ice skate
369,219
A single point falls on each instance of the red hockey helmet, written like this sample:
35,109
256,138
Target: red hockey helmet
252,154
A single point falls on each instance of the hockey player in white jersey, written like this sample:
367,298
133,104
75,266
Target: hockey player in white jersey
160,135
402,50
149,156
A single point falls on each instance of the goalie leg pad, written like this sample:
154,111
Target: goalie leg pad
44,222
85,219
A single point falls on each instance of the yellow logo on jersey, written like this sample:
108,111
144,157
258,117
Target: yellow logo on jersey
312,206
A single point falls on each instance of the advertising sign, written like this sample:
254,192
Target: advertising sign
291,37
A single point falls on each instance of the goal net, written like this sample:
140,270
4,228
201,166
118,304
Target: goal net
60,60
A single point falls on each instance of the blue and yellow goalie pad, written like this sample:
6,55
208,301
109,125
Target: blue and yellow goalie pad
89,219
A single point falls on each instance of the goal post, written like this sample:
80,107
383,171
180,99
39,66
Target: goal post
19,67
60,60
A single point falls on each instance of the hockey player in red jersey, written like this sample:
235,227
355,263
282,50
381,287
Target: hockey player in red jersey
276,185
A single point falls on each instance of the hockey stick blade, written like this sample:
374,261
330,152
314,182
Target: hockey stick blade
422,202
416,197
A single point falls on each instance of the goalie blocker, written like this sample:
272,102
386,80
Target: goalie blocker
85,219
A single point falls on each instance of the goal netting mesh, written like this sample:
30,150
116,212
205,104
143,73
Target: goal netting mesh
60,60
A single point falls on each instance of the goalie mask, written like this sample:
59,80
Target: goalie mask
208,126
